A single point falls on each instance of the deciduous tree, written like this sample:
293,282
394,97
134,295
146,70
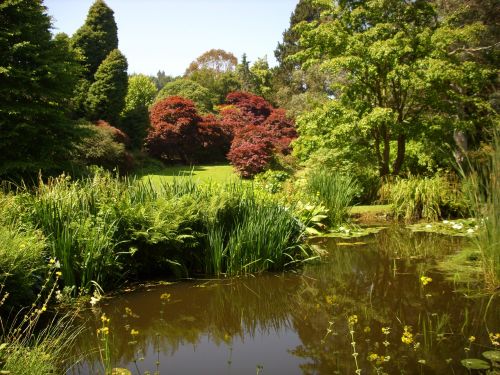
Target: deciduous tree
186,88
395,79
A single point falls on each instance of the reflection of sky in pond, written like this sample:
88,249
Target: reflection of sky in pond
280,321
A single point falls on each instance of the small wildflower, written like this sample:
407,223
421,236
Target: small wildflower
495,338
94,300
472,339
470,230
386,343
104,319
165,297
352,320
425,280
58,273
421,361
386,330
367,329
52,261
104,331
330,300
407,337
134,332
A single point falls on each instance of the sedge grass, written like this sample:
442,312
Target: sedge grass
335,191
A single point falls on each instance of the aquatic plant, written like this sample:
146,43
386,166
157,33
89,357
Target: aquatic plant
428,198
484,193
334,190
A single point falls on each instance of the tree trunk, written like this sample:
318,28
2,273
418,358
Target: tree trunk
400,157
384,165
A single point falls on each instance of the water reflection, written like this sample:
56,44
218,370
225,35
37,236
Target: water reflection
281,322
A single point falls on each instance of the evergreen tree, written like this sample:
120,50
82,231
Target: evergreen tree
106,98
244,74
37,77
97,37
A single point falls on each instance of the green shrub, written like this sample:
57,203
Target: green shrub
271,180
22,265
334,190
428,198
99,146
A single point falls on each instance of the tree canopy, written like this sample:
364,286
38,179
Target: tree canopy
37,77
396,78
106,97
97,37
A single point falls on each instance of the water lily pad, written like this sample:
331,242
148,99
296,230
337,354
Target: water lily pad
475,364
492,355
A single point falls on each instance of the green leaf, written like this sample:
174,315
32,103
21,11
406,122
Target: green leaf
492,355
475,364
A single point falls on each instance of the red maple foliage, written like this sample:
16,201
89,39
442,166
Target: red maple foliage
179,134
174,128
259,131
282,130
254,108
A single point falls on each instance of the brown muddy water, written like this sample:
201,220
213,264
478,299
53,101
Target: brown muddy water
298,323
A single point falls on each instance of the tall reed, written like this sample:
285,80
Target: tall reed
336,191
428,198
485,196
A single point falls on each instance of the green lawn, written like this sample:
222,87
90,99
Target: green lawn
200,173
372,209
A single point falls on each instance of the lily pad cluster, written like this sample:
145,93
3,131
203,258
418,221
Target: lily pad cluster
460,227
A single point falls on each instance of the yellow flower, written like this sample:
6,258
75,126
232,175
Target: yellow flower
425,280
165,297
52,261
495,338
386,330
407,337
103,330
472,339
352,320
134,332
58,273
367,329
330,300
104,319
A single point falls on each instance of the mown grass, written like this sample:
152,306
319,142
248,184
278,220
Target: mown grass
199,173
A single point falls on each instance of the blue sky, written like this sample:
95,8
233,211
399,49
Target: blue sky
169,34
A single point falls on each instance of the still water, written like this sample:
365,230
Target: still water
365,291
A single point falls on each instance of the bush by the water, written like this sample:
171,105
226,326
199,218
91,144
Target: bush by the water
104,229
335,191
428,198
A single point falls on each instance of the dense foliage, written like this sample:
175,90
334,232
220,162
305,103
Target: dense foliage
106,96
191,90
134,120
37,77
398,75
97,37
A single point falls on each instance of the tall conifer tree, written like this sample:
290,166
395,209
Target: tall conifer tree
97,37
106,98
37,77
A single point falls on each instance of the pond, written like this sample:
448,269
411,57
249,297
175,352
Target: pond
383,297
